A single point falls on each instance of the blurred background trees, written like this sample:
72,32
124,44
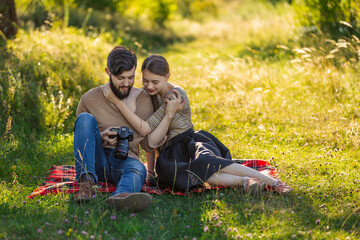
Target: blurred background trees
8,20
60,47
156,12
333,17
60,42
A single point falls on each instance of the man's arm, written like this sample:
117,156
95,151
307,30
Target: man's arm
104,135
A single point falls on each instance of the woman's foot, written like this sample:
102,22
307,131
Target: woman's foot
281,187
253,186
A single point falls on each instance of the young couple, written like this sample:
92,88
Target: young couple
187,158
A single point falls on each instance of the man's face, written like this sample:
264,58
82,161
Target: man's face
122,84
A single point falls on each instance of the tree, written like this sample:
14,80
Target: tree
8,21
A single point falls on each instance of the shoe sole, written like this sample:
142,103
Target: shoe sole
253,189
133,202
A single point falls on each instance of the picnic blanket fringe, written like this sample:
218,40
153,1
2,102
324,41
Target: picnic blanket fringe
62,180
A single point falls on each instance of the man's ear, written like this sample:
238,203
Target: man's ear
107,71
167,76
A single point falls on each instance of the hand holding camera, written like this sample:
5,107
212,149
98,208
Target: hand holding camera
123,136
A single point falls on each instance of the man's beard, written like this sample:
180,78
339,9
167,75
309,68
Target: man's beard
116,91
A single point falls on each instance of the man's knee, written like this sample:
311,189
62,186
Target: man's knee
85,120
137,167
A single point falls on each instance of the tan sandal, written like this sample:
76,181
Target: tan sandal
282,188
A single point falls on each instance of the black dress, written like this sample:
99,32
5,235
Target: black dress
191,158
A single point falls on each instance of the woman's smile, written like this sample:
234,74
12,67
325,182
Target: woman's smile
150,91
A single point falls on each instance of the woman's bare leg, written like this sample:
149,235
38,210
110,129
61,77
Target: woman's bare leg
224,179
243,171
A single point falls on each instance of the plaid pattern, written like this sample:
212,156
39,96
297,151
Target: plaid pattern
62,180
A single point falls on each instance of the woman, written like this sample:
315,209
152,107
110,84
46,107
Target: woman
187,158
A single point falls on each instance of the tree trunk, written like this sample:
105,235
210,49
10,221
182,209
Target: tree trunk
8,21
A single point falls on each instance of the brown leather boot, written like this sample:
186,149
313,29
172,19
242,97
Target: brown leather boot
86,191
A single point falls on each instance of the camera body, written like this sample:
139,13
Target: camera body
124,136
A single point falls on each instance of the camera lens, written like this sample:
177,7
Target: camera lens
122,149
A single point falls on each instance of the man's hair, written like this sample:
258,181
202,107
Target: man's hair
156,64
121,59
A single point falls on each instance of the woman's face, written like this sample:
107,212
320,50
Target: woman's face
155,84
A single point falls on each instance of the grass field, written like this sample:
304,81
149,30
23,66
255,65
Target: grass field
253,80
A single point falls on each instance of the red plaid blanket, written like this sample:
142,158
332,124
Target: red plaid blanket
62,179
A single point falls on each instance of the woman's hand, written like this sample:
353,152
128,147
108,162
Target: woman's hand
109,95
174,103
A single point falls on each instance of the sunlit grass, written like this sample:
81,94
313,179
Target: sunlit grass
249,85
65,54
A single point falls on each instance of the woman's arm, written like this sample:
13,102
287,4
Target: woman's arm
143,127
140,125
158,134
173,104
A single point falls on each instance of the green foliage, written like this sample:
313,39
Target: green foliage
44,75
278,1
148,12
32,12
197,9
265,89
339,53
327,15
111,5
19,99
36,13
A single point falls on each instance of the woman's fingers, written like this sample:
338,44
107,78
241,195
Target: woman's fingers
182,104
175,95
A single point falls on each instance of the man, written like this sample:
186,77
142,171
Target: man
94,147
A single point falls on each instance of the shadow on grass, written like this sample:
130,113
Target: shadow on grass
179,217
266,52
19,94
29,160
298,214
157,40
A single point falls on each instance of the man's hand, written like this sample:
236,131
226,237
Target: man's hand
105,136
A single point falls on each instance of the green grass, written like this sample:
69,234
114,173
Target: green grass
247,85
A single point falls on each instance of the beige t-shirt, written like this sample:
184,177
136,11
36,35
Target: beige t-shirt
181,122
107,114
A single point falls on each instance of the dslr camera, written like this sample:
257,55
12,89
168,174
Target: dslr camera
124,136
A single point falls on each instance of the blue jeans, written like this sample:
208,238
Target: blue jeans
99,163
